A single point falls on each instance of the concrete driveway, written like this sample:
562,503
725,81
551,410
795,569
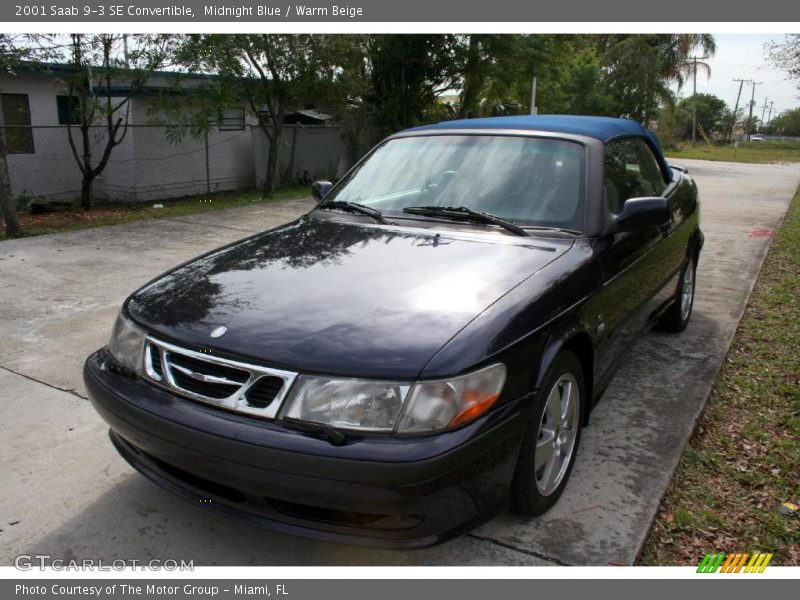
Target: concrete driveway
66,492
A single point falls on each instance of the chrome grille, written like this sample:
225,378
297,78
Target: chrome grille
153,361
229,384
264,391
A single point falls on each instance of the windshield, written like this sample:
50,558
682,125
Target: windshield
530,181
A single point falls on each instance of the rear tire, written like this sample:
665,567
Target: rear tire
551,440
677,316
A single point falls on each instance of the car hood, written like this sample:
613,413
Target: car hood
339,297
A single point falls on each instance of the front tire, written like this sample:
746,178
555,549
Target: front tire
551,440
677,316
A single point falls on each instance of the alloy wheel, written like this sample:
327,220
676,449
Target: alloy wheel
558,431
687,294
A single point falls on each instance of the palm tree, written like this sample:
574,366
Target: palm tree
695,42
678,52
641,68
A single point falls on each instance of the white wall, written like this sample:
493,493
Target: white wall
144,167
159,169
317,154
51,170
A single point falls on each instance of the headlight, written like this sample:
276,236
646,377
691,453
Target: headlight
439,405
346,403
429,406
127,344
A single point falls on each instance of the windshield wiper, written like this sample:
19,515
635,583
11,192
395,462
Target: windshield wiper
546,228
354,207
464,213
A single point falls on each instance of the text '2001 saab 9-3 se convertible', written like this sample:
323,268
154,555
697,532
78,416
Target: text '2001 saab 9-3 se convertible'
420,350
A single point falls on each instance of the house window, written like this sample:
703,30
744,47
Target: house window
231,119
264,117
17,115
68,110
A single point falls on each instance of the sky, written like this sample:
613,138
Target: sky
742,56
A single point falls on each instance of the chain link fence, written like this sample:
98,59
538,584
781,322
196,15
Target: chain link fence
781,138
308,153
149,167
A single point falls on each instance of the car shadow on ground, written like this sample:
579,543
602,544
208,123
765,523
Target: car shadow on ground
137,520
634,440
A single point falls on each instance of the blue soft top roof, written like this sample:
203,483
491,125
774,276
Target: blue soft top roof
599,128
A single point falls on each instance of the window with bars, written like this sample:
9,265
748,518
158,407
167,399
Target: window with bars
17,117
68,110
231,118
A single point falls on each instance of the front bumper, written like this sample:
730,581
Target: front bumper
379,491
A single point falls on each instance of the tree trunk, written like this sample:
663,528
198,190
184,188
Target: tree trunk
473,81
86,191
8,206
7,202
270,176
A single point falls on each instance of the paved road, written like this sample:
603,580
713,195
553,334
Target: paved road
66,493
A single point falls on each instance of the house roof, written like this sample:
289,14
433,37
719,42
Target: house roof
603,129
50,68
172,83
163,82
311,114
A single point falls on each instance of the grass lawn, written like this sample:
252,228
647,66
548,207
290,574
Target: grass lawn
749,152
111,214
743,460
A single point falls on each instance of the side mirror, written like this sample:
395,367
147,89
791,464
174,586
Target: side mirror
642,213
320,189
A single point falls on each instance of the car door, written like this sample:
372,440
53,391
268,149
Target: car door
671,249
635,264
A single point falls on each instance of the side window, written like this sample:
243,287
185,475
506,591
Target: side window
651,174
630,171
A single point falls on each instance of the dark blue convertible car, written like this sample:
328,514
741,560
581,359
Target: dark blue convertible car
423,348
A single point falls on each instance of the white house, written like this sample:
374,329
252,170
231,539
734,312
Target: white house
146,166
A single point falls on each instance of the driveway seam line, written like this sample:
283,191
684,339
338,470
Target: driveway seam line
50,385
49,340
520,550
214,226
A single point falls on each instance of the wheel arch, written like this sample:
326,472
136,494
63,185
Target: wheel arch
571,337
696,244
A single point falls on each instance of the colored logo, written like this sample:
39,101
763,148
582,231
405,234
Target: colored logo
734,563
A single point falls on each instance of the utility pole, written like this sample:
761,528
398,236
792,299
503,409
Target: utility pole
694,60
534,109
752,104
736,107
769,116
763,113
